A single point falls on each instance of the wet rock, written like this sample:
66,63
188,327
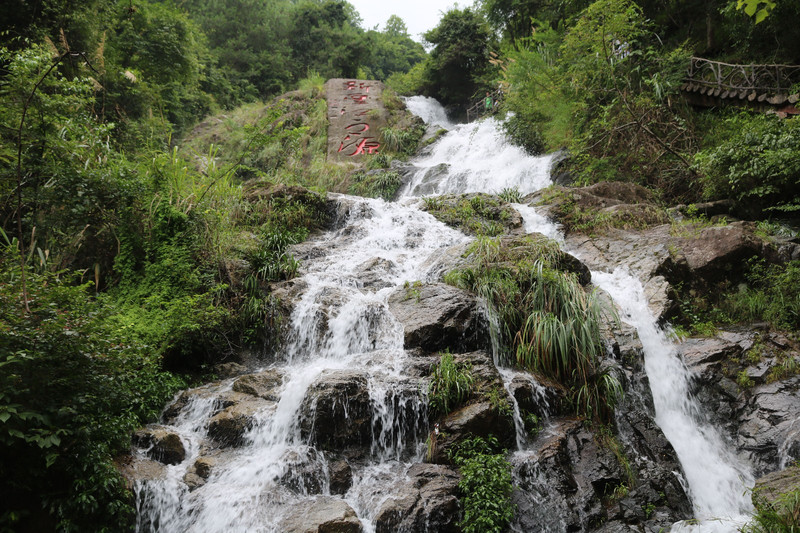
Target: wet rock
204,465
134,468
767,422
717,253
164,445
436,317
759,416
229,426
476,419
430,181
304,471
193,481
337,411
341,476
770,487
325,514
262,385
374,273
577,480
229,370
536,398
425,501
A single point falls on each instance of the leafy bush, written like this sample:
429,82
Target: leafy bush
450,385
485,485
72,388
547,322
758,165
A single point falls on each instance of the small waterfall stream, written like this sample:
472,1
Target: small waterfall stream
340,323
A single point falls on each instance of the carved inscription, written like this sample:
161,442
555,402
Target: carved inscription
354,114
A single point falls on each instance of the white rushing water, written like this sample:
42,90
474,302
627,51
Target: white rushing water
355,331
718,481
342,323
476,157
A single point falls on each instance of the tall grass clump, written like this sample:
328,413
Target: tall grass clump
450,386
779,516
548,322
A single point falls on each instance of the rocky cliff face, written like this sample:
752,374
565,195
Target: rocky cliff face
570,475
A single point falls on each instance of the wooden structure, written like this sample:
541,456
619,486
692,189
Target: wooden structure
479,109
766,87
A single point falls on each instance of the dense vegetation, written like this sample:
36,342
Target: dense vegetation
132,261
125,215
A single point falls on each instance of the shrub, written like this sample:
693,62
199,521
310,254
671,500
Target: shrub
758,165
450,385
485,485
72,388
547,322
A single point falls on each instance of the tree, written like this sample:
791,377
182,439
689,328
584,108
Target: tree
325,38
392,51
460,56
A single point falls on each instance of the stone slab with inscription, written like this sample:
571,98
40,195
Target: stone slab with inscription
355,117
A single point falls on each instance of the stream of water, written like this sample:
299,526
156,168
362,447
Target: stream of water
340,323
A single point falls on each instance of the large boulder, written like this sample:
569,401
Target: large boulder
425,501
325,514
163,444
337,411
304,470
262,385
740,377
437,316
230,425
576,480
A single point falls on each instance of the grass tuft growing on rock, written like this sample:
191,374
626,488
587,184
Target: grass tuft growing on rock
547,321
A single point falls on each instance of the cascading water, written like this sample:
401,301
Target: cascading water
717,480
340,323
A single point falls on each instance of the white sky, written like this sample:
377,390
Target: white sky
419,15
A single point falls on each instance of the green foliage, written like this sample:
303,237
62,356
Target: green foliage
782,515
485,485
758,165
376,184
393,52
72,388
460,56
165,52
758,9
479,214
450,386
772,294
510,195
548,323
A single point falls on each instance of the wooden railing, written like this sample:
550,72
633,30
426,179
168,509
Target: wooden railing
479,108
770,83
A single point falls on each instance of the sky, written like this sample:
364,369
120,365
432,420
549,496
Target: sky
419,15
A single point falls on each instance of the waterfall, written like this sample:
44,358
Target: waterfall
478,159
718,481
341,325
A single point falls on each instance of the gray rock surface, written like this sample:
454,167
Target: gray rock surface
436,316
163,445
337,411
426,501
324,514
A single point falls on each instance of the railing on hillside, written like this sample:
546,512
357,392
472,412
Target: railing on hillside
479,107
770,83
